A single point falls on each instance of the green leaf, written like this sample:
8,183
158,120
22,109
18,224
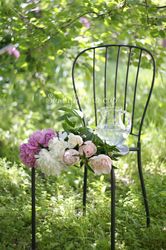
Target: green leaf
89,168
114,167
81,163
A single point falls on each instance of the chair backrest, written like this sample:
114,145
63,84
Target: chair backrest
117,76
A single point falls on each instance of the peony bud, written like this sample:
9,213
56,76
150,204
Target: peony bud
88,148
101,164
71,157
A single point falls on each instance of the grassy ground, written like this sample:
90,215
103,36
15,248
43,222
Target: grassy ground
60,224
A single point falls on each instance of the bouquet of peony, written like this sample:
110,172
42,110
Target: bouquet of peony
53,152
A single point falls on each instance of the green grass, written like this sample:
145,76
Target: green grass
60,223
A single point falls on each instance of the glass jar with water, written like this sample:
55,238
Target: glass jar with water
114,126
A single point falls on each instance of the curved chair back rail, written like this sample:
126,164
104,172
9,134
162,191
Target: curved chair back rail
109,70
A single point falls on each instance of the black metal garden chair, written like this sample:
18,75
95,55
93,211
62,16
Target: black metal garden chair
115,75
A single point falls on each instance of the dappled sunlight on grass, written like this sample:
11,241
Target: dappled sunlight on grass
60,223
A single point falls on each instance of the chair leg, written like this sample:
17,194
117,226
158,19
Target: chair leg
33,209
85,189
112,209
143,186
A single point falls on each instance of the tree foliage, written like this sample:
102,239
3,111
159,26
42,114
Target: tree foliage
49,30
49,34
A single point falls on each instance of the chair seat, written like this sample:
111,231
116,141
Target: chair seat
133,149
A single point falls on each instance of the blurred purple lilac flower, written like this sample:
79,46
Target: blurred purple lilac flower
11,50
85,22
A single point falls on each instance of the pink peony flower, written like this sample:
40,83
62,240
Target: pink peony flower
35,139
101,164
41,138
11,50
88,148
36,142
85,22
27,154
71,157
47,135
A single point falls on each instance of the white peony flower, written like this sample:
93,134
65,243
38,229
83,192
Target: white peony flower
48,164
74,140
62,135
57,148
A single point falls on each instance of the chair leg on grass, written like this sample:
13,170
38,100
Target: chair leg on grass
33,210
112,209
143,186
85,189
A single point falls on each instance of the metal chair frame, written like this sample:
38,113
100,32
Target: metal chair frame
136,149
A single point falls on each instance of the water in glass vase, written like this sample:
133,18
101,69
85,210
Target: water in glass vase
113,136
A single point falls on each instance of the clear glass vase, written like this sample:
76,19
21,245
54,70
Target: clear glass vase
114,126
